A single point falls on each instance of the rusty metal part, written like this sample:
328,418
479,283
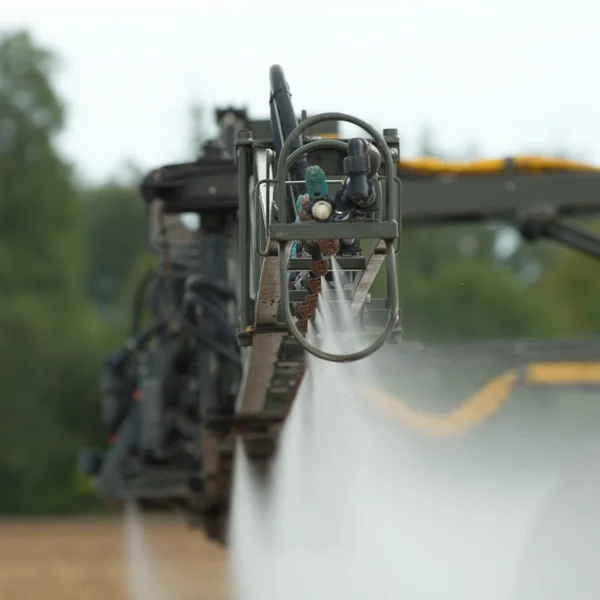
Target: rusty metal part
329,247
305,213
320,267
314,284
312,299
306,311
302,325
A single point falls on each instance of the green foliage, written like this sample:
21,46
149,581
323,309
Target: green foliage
453,285
116,236
47,357
572,286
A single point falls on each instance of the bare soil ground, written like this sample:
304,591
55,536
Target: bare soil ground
85,559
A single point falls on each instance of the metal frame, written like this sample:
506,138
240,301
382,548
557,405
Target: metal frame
445,199
284,231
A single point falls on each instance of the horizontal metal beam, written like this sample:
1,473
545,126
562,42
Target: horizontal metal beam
261,128
325,231
152,484
345,263
300,296
502,197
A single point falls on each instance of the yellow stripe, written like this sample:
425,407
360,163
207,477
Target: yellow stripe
484,403
329,136
473,411
521,164
563,373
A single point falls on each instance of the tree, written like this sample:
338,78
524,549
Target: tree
115,228
47,343
573,283
454,283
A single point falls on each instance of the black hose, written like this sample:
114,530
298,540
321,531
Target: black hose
208,295
199,284
216,311
153,275
209,342
199,291
141,339
283,122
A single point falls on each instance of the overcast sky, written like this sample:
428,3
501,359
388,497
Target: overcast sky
509,77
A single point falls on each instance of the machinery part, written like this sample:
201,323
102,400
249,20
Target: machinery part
361,167
541,221
166,450
89,462
531,193
284,232
230,120
495,190
517,165
322,210
179,381
283,123
275,359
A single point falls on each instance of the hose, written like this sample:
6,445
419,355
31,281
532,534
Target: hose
209,342
194,283
225,327
207,294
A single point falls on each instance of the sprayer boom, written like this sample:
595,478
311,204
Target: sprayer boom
275,221
252,240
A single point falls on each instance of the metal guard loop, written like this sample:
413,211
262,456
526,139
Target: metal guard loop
354,356
314,145
340,145
390,184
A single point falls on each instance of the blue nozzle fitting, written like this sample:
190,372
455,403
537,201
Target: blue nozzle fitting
317,189
316,183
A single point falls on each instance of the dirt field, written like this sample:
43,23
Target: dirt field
85,559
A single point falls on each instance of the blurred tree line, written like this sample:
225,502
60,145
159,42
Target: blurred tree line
71,255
